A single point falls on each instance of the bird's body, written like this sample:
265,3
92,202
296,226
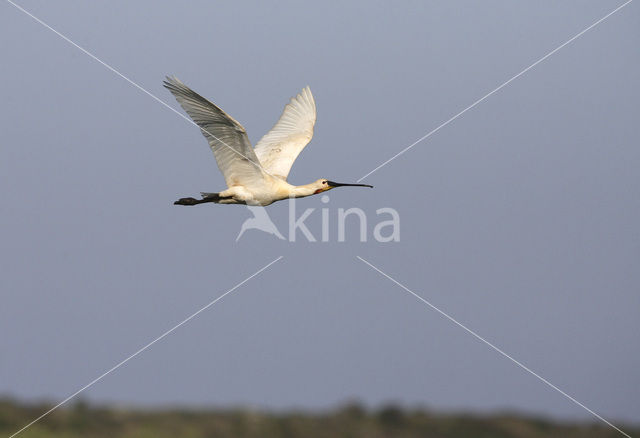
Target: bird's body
270,190
254,176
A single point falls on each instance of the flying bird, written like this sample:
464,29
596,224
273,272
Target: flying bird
254,176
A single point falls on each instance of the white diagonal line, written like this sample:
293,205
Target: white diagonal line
427,135
139,87
119,364
477,336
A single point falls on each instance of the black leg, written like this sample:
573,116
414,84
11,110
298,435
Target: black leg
210,197
187,201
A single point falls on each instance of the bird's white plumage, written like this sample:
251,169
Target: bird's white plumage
227,138
254,176
280,147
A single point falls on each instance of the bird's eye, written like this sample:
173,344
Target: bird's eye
324,182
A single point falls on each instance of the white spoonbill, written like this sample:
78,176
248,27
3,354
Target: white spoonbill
253,176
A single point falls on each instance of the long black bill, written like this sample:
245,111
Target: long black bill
335,184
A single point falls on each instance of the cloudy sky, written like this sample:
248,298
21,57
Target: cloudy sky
519,219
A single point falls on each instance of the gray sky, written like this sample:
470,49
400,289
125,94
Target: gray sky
519,219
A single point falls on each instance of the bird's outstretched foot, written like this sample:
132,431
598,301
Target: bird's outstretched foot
186,201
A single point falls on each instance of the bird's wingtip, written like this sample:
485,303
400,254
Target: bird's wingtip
171,80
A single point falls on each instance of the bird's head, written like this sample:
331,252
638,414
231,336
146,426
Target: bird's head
322,185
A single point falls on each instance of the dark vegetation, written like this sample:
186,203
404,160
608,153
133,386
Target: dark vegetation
350,421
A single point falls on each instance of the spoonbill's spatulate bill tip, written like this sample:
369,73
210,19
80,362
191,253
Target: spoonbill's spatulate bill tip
254,176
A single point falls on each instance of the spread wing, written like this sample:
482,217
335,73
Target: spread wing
227,138
280,147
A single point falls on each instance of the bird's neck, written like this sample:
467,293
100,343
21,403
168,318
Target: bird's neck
305,190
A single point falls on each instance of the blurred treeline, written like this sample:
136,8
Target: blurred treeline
352,420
